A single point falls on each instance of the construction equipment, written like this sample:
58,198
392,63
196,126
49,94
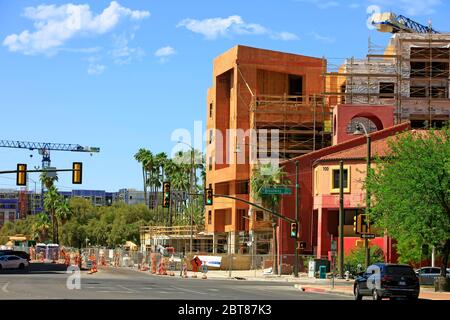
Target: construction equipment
44,148
392,23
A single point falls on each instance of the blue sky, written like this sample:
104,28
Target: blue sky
124,75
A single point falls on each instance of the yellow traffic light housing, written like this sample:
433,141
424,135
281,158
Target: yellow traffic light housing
360,224
77,172
209,197
166,195
21,177
294,230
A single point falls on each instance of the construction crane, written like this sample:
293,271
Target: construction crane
392,23
44,148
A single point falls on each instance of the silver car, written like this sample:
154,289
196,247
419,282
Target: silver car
428,274
13,262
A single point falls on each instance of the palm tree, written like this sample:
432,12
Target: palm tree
144,156
40,226
265,176
63,211
51,201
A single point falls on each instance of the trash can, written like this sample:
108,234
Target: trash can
322,272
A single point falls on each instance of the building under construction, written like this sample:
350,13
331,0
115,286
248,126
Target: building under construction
410,73
273,101
265,93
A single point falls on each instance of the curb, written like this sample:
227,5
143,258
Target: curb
322,290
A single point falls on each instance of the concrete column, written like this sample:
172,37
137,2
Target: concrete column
323,238
214,243
233,242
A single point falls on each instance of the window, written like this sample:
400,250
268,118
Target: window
419,69
209,217
242,187
210,163
418,92
387,90
295,85
335,179
439,92
259,215
210,110
210,136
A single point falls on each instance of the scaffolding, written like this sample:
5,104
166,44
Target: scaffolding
302,122
411,73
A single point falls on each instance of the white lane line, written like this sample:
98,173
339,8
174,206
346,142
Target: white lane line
113,291
187,290
129,290
4,287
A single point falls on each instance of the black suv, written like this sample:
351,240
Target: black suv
383,280
18,253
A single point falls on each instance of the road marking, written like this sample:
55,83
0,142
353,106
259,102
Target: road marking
113,291
213,289
129,290
4,287
187,290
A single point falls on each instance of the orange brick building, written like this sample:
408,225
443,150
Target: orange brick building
260,90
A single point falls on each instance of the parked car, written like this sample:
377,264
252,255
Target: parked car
13,262
382,280
428,274
19,253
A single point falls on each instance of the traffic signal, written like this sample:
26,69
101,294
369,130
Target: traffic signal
166,191
21,177
77,172
209,197
294,230
359,224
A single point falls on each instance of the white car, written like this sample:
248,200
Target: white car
13,262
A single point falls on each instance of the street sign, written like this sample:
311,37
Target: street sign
367,236
277,190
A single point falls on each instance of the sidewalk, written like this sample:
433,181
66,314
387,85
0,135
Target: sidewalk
425,293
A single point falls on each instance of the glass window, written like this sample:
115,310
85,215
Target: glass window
209,217
336,178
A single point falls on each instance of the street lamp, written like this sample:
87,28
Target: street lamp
191,187
358,131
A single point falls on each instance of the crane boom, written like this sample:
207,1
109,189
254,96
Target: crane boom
47,146
390,22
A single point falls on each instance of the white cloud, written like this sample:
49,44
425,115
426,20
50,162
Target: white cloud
285,36
95,68
212,28
322,38
165,52
122,52
322,4
55,25
411,7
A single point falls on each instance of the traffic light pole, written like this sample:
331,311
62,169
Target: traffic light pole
257,206
341,218
366,240
297,220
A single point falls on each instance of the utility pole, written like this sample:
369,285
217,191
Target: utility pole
191,197
341,218
366,240
296,219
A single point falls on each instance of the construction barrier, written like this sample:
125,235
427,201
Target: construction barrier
153,263
162,267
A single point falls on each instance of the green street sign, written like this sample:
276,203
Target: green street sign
277,190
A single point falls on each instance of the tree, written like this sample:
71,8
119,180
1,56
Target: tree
411,189
51,202
265,176
145,158
40,227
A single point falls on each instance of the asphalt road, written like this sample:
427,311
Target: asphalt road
47,281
